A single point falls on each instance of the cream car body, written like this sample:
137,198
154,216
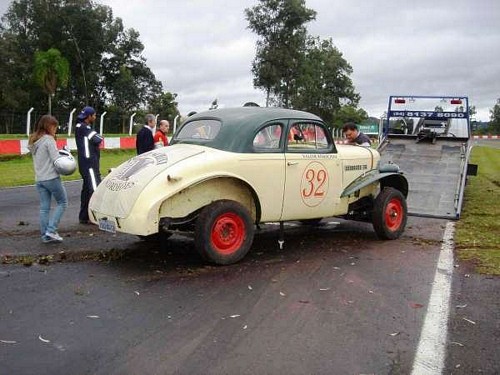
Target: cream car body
279,165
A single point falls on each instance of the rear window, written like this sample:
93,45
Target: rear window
199,130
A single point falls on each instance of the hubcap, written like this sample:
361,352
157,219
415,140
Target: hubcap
228,233
394,214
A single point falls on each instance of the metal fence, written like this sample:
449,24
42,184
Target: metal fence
12,122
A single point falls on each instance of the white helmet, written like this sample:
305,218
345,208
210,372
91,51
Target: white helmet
65,164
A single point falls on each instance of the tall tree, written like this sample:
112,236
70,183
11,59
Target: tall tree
494,126
165,105
87,34
348,113
127,81
324,84
50,70
280,24
13,82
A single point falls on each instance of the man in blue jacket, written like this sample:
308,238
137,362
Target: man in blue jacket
145,140
87,144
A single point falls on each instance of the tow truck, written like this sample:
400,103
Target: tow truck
429,137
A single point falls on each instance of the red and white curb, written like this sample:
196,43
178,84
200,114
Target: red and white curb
486,136
20,146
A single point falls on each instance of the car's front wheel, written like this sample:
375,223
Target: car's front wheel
389,214
224,232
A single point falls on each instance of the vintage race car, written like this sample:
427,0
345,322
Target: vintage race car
228,170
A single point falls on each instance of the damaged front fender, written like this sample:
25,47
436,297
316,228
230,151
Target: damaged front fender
387,177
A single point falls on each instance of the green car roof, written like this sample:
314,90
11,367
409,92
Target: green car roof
239,125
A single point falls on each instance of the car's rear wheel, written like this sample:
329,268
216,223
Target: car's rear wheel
224,232
390,214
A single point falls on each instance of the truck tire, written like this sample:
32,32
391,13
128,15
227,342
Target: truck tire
389,214
224,232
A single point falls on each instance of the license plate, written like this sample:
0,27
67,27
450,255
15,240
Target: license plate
107,225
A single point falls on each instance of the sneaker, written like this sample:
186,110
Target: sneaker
47,239
54,236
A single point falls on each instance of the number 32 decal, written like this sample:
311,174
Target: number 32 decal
314,184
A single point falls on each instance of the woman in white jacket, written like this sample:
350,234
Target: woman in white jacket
42,145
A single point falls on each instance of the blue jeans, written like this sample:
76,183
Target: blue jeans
47,190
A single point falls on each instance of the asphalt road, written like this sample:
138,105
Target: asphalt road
335,300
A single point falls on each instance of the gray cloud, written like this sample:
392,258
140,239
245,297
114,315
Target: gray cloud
202,50
422,48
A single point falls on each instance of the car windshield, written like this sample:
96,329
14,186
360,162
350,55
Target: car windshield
199,130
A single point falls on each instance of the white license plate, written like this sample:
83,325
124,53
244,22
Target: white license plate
107,225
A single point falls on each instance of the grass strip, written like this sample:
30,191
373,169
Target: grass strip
477,238
17,170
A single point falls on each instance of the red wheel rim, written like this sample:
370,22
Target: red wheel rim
394,214
228,233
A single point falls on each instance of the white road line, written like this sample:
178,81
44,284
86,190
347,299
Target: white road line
431,351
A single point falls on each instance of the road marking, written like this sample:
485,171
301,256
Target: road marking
431,349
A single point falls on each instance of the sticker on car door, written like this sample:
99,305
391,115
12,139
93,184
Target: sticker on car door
314,184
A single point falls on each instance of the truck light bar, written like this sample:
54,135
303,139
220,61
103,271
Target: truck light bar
456,101
399,101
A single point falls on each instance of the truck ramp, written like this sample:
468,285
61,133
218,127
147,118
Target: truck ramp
435,173
429,138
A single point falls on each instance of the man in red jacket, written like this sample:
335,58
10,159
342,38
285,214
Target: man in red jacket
160,138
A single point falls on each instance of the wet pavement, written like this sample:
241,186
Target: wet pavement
335,300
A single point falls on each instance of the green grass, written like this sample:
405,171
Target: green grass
477,238
18,170
13,136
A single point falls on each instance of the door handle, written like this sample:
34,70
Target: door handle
292,163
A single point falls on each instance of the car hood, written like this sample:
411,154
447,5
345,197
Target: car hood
116,194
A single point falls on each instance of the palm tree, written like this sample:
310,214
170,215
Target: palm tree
50,69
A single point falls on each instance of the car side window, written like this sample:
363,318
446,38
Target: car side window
268,138
307,137
200,129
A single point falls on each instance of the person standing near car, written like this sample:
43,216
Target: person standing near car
88,142
160,138
354,136
145,141
43,148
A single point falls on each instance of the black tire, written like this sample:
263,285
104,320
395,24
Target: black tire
224,232
312,222
390,214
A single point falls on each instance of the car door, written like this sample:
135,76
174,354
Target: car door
312,172
264,168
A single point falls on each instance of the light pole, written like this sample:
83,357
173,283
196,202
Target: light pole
102,122
70,121
28,121
131,123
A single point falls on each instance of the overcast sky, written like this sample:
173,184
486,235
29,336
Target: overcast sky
202,49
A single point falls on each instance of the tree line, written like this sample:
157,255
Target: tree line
298,70
64,54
